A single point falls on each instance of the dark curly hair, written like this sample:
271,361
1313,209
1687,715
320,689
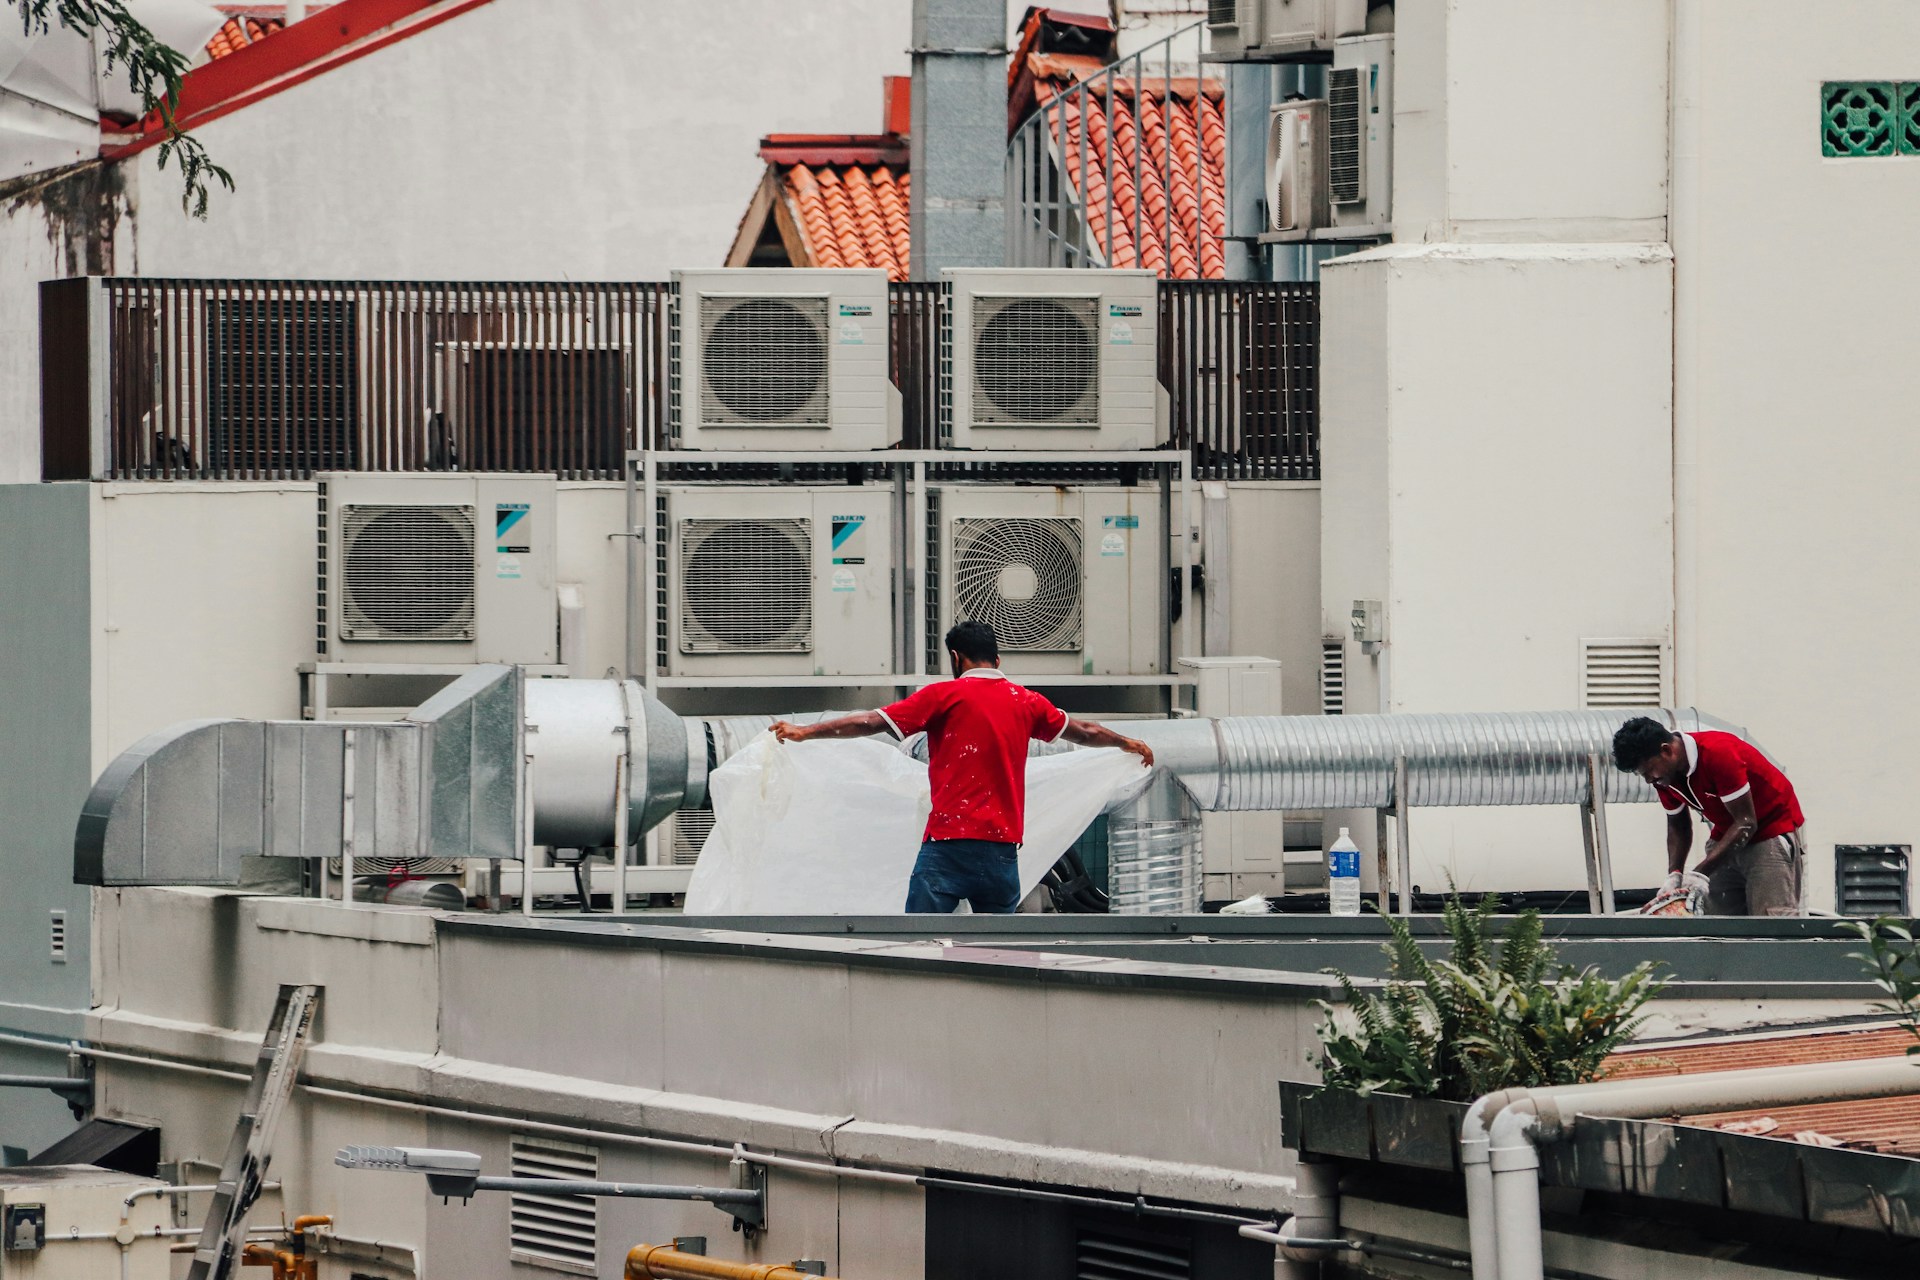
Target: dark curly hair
1638,741
974,641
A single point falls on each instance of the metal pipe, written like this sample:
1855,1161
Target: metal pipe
663,1262
1402,838
126,1205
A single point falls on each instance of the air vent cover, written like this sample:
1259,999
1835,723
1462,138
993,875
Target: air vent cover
1036,362
1101,1255
1022,578
691,827
746,586
1333,676
763,362
1622,673
407,572
1346,162
1222,13
1871,879
560,1232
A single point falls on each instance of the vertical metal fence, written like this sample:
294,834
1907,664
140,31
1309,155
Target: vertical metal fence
266,380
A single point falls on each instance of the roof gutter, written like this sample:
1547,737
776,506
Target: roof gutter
1501,1136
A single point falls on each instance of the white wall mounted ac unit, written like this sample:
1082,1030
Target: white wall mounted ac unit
1069,578
1308,27
1233,26
1296,170
429,568
1360,133
782,359
780,580
1046,358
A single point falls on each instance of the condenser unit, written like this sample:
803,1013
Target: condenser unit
1308,28
779,580
1359,133
1296,170
1233,26
424,568
1070,579
1051,359
785,359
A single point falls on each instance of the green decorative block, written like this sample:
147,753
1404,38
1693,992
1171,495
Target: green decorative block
1907,128
1858,118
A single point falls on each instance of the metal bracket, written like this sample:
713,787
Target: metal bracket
749,1218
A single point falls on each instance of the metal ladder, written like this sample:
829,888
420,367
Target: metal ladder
217,1257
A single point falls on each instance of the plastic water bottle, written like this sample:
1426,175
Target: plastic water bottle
1343,876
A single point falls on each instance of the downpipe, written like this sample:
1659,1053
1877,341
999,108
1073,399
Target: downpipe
1316,1216
1503,1204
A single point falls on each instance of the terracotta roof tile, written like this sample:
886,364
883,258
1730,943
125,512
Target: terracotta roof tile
249,24
852,215
1883,1124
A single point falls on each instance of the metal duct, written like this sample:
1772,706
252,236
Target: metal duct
578,732
1154,860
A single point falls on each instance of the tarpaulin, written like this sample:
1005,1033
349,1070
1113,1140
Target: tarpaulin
832,828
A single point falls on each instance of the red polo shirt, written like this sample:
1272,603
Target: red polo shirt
977,732
1723,767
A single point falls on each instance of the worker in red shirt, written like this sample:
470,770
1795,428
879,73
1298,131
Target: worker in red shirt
1756,842
978,725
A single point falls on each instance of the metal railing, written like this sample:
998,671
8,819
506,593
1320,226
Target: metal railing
271,380
1112,171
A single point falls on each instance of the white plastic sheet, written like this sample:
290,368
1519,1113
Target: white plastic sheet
832,828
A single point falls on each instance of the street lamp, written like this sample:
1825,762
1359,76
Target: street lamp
457,1173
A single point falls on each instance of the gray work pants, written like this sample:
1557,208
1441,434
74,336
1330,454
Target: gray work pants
1763,879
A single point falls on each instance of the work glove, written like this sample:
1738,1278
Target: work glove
1674,881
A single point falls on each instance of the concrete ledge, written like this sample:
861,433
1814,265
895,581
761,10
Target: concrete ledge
404,926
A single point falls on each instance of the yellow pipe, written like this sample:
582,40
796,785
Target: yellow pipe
659,1262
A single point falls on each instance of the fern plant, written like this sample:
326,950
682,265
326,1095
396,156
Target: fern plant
1893,964
1492,1015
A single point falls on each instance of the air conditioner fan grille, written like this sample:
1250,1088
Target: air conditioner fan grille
746,586
1022,578
1036,362
763,362
407,572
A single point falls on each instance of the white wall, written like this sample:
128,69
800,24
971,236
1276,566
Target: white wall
1517,120
1502,414
1275,583
1794,432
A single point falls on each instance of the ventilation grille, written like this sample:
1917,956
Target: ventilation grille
746,586
1022,578
321,626
691,827
282,386
554,1231
1222,13
397,868
930,582
1622,673
57,936
1333,676
1100,1255
406,572
1871,879
1036,362
1346,168
763,362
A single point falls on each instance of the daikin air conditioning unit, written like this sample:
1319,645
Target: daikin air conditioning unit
1296,170
1069,579
1293,28
1051,359
426,568
780,580
1233,26
786,359
1360,133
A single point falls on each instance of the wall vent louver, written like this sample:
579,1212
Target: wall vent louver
1333,676
1622,673
57,936
763,362
691,827
1346,137
1036,361
1100,1255
407,572
1223,13
1023,578
746,586
560,1232
1871,879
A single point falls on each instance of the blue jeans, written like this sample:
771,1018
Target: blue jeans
985,873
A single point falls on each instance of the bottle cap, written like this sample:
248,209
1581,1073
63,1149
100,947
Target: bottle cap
1343,832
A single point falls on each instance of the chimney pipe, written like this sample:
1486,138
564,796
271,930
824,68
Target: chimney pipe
957,205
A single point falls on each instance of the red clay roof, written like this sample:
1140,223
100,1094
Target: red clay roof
241,31
1881,1124
852,215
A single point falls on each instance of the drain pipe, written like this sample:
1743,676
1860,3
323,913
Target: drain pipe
1504,1216
1316,1217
